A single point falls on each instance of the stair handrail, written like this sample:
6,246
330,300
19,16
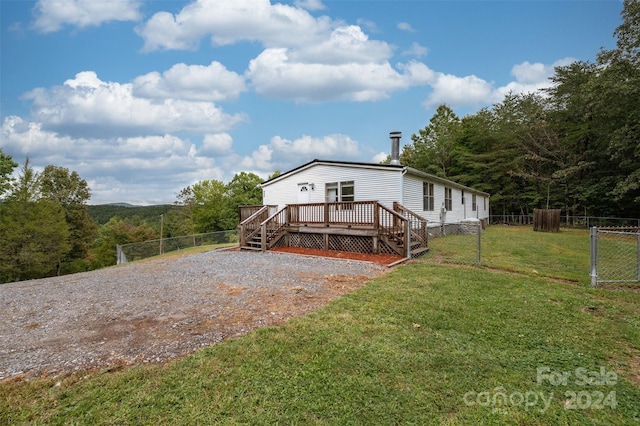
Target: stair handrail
419,233
398,228
246,230
277,219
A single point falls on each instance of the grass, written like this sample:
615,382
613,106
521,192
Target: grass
427,343
563,255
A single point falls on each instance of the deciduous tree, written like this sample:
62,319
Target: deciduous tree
72,192
7,165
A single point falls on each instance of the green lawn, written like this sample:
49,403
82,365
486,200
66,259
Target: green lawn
524,340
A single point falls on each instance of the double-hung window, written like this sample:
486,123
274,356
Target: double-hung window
427,196
448,199
473,202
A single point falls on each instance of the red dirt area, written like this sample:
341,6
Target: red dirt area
384,259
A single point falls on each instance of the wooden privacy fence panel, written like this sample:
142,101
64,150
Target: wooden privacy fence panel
546,220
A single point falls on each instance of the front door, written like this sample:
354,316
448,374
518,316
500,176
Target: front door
303,193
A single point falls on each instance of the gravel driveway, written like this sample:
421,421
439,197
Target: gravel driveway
160,309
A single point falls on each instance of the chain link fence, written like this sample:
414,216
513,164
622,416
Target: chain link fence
142,250
585,222
458,243
615,255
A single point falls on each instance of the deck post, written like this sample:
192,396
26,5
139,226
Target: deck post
326,213
376,216
263,236
407,238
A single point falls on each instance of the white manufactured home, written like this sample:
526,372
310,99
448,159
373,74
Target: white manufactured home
436,199
363,207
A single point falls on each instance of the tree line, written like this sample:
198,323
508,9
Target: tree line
46,228
574,146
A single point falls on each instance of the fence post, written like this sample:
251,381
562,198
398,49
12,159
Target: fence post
478,259
594,255
120,256
638,254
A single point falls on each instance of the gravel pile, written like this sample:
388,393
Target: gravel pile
160,309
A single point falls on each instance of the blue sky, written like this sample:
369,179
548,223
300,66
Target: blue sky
143,98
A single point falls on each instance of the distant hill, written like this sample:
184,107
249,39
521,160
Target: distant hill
121,205
101,213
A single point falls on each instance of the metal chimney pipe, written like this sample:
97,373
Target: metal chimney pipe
395,147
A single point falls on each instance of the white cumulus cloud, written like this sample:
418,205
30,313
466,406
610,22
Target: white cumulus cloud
87,105
274,74
139,170
191,82
217,144
52,15
531,77
227,22
474,91
284,154
305,58
345,45
456,91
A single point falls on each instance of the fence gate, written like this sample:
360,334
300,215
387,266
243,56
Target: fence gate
615,255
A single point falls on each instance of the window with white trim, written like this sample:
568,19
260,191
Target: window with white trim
427,196
448,199
347,191
340,191
474,205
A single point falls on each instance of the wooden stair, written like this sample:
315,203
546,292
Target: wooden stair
396,242
255,243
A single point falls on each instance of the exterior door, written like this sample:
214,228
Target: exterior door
304,193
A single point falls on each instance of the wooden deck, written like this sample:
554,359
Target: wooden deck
361,227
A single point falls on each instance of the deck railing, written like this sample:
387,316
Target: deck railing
334,213
399,228
245,212
417,226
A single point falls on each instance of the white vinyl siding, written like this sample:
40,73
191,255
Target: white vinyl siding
413,199
383,185
376,183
